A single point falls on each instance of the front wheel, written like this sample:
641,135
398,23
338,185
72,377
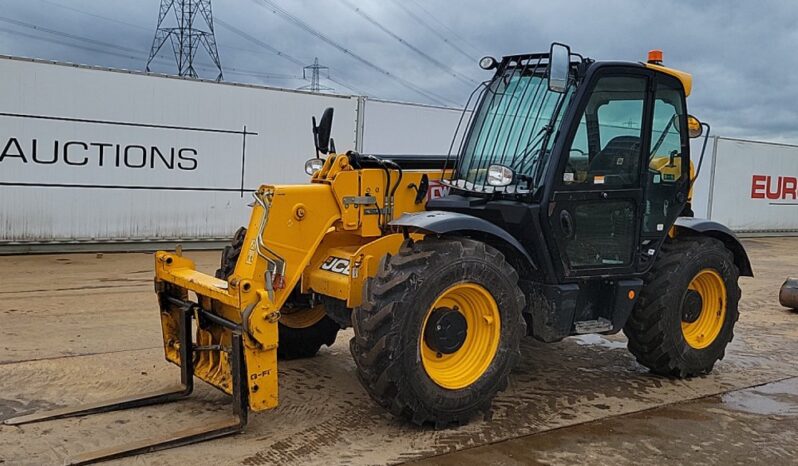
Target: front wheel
685,316
439,330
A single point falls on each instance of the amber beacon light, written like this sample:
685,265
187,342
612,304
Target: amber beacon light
655,56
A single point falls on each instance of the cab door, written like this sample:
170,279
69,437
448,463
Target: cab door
597,199
666,181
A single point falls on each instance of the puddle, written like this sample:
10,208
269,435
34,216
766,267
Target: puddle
773,399
593,339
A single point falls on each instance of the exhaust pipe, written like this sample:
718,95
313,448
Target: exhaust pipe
788,295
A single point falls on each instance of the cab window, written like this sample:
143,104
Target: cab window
606,149
667,168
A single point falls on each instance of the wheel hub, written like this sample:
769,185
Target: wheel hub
691,306
446,330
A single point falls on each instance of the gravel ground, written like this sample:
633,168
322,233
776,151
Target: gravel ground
80,328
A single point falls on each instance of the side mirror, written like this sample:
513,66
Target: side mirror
321,133
559,67
694,127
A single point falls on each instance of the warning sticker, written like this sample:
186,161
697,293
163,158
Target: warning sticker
568,177
598,179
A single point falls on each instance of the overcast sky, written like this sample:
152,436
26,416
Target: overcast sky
742,54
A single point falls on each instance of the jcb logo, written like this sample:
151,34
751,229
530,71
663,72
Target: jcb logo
336,265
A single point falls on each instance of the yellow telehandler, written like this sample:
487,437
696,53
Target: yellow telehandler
565,209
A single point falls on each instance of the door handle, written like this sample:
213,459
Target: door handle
567,223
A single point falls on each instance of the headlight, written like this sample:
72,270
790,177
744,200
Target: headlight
313,165
487,63
499,175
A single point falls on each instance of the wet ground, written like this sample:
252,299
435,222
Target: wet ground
80,328
757,425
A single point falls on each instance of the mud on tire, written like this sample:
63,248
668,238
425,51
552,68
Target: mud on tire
654,329
388,329
294,343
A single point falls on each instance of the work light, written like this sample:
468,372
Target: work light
499,175
313,165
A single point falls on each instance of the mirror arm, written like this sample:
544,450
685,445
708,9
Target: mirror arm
703,150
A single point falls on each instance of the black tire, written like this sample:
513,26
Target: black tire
230,254
297,343
654,329
294,343
388,329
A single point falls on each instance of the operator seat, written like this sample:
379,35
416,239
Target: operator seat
619,161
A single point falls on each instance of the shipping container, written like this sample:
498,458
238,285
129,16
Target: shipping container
754,186
90,155
404,128
93,156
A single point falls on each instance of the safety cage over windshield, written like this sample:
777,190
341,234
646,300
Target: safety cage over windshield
511,121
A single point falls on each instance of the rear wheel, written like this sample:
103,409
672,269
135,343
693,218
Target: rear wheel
303,328
439,330
686,312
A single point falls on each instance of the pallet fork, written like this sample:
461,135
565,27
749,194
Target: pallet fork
234,425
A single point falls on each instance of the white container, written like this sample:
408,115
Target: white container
754,186
90,155
403,128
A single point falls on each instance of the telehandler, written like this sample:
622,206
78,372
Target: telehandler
565,209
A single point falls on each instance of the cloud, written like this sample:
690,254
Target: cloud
741,54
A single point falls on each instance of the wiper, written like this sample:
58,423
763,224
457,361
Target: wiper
529,149
662,137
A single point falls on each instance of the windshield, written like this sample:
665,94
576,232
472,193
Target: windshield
510,128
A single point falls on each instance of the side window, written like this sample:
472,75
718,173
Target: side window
666,138
666,165
606,149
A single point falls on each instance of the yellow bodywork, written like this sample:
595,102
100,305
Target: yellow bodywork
684,77
292,231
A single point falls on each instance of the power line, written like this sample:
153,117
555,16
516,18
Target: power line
161,59
415,49
136,26
62,34
304,26
419,20
83,12
444,26
81,47
280,53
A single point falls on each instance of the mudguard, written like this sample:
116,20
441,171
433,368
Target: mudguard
717,230
442,222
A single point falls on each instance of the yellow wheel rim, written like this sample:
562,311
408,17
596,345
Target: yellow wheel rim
302,318
464,366
706,328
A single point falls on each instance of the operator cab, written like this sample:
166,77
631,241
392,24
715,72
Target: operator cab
601,149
